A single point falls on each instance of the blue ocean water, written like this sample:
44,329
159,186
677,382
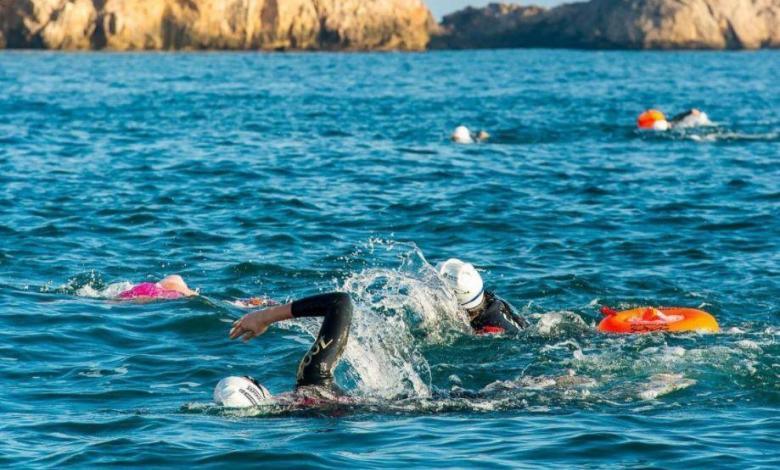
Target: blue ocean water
285,175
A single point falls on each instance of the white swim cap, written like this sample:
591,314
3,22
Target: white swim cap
462,135
464,280
240,392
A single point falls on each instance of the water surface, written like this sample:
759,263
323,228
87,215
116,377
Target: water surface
286,175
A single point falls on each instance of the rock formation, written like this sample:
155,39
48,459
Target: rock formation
624,24
215,24
384,25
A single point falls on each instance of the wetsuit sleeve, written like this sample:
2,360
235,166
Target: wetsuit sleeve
317,365
499,317
681,116
517,319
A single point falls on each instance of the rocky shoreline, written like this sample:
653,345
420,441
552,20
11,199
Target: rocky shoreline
405,25
216,24
617,24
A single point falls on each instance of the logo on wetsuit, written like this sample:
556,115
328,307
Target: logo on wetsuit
318,347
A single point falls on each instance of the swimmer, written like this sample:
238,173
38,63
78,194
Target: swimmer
691,118
171,287
253,302
315,373
487,313
653,119
462,135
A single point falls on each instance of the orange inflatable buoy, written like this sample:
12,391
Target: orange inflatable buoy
652,119
649,319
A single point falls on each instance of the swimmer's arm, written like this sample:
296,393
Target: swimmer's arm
334,306
256,323
519,320
502,315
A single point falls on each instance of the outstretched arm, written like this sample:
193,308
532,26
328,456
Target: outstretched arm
336,307
316,367
256,323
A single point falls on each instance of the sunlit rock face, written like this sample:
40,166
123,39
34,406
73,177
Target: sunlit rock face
624,24
216,24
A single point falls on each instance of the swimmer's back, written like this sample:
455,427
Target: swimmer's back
148,290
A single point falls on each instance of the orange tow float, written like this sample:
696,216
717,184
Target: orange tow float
649,319
652,119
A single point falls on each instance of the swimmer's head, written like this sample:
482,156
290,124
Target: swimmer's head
464,281
652,119
176,283
462,135
240,392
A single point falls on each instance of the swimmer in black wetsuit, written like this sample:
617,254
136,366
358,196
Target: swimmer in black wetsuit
691,118
488,314
315,372
652,119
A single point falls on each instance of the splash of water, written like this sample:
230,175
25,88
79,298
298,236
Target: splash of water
399,309
92,285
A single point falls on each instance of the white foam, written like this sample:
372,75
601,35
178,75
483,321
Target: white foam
396,309
556,323
663,384
749,345
109,292
94,373
181,385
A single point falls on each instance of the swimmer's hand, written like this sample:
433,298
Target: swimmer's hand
256,323
249,326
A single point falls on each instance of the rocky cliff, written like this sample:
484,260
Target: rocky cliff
215,24
625,24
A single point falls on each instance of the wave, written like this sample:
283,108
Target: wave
711,134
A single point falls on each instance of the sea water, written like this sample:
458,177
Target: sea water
285,175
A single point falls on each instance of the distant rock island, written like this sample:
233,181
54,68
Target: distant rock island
384,25
216,24
617,24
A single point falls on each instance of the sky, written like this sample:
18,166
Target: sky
442,7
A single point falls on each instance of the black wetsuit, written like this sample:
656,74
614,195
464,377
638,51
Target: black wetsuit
679,117
497,316
316,368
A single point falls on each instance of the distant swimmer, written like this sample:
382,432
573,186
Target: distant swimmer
487,313
315,373
463,135
691,118
254,302
652,119
171,287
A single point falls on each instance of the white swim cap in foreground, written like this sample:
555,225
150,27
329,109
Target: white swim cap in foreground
464,280
240,392
462,135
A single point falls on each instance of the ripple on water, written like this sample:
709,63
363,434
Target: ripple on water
298,173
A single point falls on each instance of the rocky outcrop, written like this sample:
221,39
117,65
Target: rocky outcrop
384,25
623,24
496,25
216,24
